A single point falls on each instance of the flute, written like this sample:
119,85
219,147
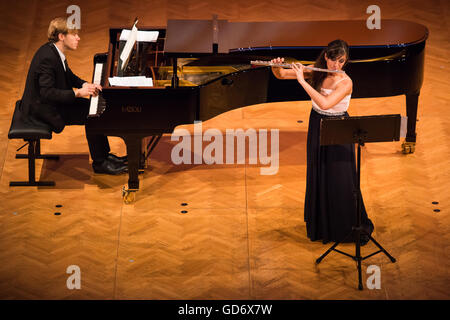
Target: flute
289,65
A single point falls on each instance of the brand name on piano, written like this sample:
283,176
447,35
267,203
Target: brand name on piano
227,147
131,109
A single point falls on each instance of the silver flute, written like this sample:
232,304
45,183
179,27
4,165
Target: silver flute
289,65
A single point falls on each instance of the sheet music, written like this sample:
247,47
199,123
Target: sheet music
136,81
129,46
142,36
97,78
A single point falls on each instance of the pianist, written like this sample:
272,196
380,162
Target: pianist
56,96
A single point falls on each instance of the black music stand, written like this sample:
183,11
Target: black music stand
359,130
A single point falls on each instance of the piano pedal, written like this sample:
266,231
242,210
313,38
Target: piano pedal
408,147
129,195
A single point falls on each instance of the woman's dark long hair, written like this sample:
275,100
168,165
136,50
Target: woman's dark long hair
334,49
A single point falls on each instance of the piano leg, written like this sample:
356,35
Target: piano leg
411,112
133,144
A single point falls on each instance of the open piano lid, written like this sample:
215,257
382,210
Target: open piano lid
195,37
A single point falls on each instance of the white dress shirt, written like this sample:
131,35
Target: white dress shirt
63,57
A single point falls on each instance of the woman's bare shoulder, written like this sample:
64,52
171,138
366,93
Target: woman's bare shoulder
344,79
345,76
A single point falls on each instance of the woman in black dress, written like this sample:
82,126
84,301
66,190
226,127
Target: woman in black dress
330,199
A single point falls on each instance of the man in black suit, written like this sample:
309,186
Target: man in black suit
55,95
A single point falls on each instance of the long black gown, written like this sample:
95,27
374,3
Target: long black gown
330,199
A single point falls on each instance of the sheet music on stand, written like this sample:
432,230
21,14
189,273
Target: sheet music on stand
142,36
126,52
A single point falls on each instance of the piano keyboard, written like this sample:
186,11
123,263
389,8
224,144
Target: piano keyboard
93,109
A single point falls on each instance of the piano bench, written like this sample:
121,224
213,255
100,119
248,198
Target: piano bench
32,134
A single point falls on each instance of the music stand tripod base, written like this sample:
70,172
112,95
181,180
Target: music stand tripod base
359,130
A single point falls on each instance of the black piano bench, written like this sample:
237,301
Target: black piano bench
32,134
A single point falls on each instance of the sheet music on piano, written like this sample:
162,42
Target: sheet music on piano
134,81
131,37
125,55
142,36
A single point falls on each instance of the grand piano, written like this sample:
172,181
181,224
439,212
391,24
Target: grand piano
201,68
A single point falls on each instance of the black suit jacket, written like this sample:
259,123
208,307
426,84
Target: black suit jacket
48,88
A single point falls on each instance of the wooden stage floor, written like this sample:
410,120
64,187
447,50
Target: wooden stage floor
243,236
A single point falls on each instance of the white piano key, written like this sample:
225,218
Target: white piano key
93,106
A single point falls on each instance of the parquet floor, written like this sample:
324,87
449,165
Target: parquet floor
243,236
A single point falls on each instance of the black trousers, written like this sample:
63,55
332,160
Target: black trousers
76,114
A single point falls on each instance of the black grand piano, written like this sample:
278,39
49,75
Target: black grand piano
201,68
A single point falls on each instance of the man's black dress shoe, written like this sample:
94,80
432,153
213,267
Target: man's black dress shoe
109,167
116,159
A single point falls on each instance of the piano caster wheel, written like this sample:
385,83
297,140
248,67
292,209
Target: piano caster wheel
128,195
408,147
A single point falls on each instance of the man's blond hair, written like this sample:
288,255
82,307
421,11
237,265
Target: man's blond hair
57,26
